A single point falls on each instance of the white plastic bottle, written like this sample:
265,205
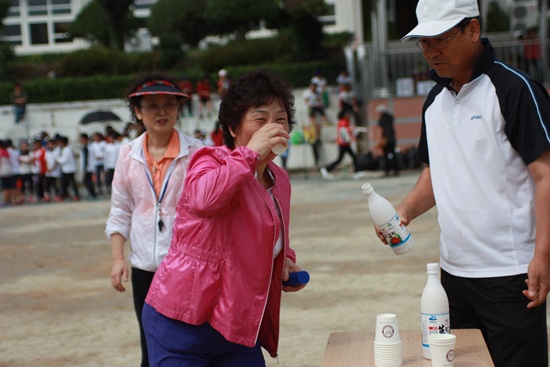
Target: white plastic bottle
386,219
434,308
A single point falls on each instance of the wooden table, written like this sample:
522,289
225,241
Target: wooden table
356,349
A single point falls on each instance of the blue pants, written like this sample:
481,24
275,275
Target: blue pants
173,343
515,335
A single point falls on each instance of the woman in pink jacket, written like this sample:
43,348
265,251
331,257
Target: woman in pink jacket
215,299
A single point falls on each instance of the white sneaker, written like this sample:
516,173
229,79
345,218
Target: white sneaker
360,174
325,174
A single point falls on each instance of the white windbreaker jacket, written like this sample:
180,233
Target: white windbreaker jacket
135,209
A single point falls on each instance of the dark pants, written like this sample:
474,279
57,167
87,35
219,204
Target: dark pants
391,159
109,175
316,148
89,183
515,335
19,112
51,186
99,177
27,184
39,185
173,343
141,282
342,150
67,179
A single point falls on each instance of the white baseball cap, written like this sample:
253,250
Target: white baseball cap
436,17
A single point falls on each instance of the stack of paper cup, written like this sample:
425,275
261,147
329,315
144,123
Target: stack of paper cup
387,343
442,349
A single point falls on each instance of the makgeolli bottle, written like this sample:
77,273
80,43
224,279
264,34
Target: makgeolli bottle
434,308
387,220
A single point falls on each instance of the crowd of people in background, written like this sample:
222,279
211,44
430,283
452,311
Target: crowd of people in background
44,169
205,90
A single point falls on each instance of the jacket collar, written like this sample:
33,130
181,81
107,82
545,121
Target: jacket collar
137,146
483,63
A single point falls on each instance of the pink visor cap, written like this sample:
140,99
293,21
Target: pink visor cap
158,87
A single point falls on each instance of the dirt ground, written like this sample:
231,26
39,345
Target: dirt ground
57,307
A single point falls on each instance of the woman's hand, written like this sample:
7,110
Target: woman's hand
267,137
290,267
119,273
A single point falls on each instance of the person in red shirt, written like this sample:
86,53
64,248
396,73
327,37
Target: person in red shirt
40,168
186,87
204,91
532,53
217,134
344,138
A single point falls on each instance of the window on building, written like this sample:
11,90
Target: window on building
330,17
61,6
61,32
14,10
144,4
37,7
12,34
38,33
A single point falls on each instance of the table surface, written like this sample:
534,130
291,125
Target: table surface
356,349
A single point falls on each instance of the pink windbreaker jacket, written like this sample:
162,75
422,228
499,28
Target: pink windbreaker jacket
220,266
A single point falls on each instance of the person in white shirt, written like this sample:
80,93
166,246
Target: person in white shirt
53,173
68,168
111,154
313,130
26,158
97,146
87,164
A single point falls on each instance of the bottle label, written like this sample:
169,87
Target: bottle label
395,233
434,324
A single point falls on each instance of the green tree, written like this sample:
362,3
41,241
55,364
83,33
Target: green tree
307,30
497,19
239,16
91,25
7,54
121,21
105,22
182,17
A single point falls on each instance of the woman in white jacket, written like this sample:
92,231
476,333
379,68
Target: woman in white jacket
147,184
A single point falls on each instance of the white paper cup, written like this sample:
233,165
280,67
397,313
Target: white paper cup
387,330
442,349
279,149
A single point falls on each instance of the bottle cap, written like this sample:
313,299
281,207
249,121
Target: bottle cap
367,188
433,267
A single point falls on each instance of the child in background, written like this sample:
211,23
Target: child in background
344,138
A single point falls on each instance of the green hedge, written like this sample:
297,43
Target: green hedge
70,89
110,87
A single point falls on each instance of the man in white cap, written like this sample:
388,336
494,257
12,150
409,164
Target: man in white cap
485,143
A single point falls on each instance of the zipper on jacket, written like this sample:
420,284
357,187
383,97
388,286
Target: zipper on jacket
158,217
274,201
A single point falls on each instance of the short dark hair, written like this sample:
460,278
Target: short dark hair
253,89
464,22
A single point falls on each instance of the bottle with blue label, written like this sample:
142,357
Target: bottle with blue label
434,309
387,220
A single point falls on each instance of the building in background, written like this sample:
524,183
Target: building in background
41,26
